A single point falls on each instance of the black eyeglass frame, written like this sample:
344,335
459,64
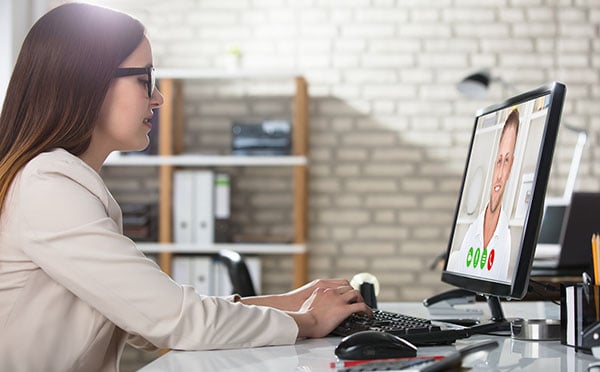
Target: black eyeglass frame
130,71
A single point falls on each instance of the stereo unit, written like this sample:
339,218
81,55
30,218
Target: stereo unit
271,137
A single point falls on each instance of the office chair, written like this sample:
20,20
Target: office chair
237,269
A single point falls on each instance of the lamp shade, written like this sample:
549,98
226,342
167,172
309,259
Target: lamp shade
475,85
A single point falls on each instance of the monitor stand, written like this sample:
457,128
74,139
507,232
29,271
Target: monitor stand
497,323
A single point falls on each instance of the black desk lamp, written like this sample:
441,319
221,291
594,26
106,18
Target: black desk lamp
476,86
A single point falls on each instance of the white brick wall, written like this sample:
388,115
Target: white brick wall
388,130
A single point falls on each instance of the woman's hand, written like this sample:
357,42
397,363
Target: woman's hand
293,300
296,298
317,307
326,308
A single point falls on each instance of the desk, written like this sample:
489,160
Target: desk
314,355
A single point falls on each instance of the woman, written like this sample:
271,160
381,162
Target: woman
73,289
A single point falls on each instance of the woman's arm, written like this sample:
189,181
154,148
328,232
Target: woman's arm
67,224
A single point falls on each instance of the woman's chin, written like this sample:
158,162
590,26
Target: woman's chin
141,146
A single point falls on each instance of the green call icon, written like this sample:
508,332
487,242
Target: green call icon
476,258
470,256
483,258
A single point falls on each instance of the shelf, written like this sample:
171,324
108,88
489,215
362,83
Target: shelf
116,159
182,73
242,248
171,155
540,113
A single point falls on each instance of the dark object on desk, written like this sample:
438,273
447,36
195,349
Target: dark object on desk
581,224
435,338
367,291
241,281
441,307
448,336
449,295
374,345
461,322
572,233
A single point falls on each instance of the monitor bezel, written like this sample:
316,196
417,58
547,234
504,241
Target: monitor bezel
518,287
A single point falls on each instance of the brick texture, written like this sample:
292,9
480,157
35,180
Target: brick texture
389,132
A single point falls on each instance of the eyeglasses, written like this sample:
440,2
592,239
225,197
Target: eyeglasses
130,71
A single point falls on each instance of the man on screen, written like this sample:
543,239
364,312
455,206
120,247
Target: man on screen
485,250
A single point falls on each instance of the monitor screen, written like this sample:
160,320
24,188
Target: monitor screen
547,250
552,223
499,211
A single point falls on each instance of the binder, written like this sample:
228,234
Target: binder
222,207
221,284
183,191
181,270
201,274
195,271
203,207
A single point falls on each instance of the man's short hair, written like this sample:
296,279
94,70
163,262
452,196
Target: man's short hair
511,121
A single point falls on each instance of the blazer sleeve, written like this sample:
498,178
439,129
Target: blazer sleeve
66,230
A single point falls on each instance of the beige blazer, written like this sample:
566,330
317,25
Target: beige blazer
73,289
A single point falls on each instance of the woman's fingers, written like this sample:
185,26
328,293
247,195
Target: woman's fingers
351,295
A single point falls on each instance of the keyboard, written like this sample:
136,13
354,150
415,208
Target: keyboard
418,331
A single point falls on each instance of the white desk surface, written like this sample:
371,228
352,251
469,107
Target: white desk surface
314,355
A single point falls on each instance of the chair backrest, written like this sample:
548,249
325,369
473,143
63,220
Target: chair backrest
241,281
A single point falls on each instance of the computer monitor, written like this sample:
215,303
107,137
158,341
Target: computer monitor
497,220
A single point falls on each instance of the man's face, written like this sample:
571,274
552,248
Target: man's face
502,166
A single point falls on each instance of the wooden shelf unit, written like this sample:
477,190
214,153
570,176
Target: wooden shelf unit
206,160
171,129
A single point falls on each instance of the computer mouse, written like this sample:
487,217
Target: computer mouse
374,345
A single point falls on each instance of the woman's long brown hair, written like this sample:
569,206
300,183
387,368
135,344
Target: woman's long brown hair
59,82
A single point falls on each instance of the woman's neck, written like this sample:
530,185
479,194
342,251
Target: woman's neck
93,159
